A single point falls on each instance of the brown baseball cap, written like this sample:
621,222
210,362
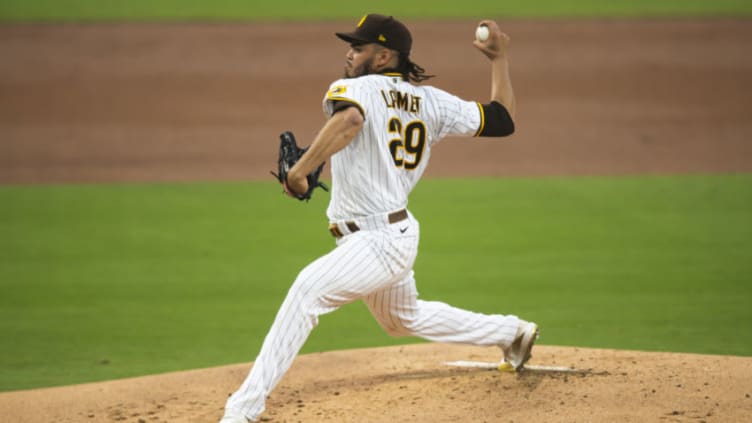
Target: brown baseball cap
380,29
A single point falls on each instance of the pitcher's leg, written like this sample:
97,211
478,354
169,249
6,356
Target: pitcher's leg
344,275
400,313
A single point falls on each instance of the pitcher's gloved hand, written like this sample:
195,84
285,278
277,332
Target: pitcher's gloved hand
289,154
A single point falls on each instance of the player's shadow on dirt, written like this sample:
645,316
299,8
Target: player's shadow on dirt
530,378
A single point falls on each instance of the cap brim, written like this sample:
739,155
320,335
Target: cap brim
351,38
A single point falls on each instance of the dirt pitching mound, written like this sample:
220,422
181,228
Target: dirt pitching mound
414,383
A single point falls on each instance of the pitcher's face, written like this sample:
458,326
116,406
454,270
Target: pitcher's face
360,60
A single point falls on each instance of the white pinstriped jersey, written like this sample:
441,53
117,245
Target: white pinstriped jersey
375,172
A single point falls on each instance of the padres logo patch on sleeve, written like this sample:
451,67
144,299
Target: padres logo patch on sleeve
337,91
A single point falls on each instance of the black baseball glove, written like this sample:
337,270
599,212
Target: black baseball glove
289,154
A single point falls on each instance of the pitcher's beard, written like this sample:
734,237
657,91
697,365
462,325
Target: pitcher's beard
364,69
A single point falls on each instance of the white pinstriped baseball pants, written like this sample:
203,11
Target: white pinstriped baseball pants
375,266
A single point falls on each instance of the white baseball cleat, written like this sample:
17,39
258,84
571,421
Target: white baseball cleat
519,352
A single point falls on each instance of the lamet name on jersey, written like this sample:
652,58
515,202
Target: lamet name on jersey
398,100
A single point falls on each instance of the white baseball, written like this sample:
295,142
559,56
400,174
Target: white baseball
481,33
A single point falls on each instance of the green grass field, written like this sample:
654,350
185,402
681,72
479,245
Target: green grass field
106,281
77,10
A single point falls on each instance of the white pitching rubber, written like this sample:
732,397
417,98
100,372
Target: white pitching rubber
506,367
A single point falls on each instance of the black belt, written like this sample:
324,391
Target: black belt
395,217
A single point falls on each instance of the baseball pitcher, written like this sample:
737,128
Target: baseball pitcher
378,138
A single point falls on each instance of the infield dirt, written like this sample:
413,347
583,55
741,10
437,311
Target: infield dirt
184,102
94,103
411,383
